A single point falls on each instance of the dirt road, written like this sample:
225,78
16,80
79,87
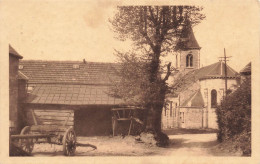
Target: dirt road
191,145
185,144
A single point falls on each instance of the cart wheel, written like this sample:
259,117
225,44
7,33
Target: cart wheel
26,144
69,142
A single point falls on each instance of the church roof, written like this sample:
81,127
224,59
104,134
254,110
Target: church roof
213,71
216,70
187,39
196,100
246,70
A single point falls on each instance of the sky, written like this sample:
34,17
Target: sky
74,30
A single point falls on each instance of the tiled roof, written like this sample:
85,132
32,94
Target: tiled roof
216,70
39,71
196,100
14,53
187,39
213,71
72,95
246,69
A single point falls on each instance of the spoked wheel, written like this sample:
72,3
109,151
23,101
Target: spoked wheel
26,144
69,142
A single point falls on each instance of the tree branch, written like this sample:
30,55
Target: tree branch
168,72
152,15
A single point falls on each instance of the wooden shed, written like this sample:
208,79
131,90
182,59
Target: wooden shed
71,93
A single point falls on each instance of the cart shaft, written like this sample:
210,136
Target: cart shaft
31,136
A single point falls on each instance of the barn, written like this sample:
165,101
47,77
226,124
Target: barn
70,93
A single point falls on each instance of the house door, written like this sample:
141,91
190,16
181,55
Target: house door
93,122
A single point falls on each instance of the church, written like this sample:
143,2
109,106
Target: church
195,90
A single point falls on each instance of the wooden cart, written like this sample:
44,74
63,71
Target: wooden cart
125,114
53,134
46,134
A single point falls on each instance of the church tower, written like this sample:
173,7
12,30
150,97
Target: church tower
188,57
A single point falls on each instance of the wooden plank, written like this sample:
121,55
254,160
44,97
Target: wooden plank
29,136
55,110
60,131
60,111
48,128
34,118
57,123
44,117
65,123
52,114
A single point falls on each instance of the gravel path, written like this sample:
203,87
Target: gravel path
185,144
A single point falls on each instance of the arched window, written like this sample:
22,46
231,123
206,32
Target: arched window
213,98
189,60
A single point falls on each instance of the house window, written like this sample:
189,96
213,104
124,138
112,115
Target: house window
30,89
214,98
189,60
20,67
170,108
182,117
175,109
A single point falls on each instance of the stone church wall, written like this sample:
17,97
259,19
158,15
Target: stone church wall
191,117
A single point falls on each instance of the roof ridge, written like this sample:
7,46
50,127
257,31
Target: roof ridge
66,61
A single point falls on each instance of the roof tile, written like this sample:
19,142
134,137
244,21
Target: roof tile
39,71
98,96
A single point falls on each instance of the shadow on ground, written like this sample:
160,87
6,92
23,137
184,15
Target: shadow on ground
189,131
184,143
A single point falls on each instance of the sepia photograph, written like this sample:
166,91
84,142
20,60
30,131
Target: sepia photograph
112,79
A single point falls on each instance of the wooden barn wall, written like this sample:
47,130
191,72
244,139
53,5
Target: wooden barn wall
86,120
50,116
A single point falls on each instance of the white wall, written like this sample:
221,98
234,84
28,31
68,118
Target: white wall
207,86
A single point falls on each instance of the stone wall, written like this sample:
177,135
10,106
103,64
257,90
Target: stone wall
212,119
170,114
22,95
191,117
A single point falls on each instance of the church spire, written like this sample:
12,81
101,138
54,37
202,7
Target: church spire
187,39
188,49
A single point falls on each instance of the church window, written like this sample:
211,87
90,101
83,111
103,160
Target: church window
213,98
189,60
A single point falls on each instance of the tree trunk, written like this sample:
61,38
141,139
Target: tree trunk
153,124
153,120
